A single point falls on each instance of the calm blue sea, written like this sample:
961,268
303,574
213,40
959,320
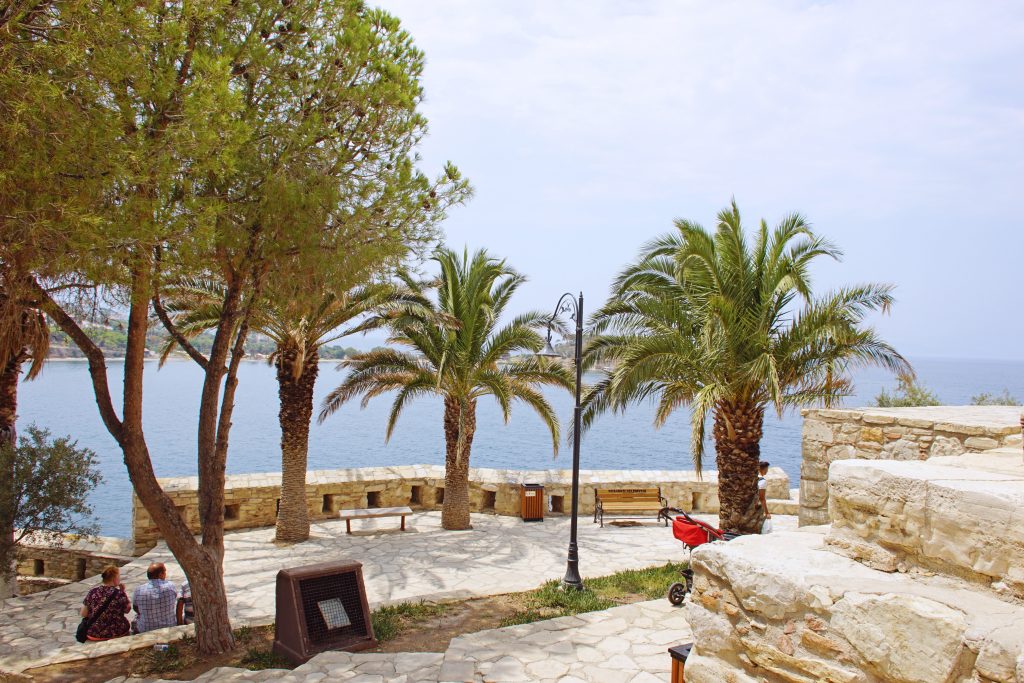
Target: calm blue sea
61,400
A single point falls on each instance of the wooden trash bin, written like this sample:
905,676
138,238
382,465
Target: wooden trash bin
321,607
679,654
531,502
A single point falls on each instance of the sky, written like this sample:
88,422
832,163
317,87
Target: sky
897,128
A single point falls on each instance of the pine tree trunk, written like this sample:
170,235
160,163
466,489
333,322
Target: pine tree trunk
455,509
738,429
296,411
9,376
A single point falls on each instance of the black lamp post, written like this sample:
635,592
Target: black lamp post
567,304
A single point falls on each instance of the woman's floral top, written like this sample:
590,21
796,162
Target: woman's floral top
112,623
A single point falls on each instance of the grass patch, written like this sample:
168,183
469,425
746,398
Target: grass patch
390,621
164,661
552,600
257,659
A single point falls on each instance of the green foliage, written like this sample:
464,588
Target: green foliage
709,319
44,488
389,621
552,600
260,658
458,345
909,393
987,399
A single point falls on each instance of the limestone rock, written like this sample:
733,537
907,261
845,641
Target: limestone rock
908,639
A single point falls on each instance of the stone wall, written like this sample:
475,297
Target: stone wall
73,559
251,499
894,434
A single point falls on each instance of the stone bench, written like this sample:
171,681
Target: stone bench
372,513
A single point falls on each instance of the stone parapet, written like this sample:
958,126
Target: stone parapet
71,558
251,500
782,607
961,516
894,434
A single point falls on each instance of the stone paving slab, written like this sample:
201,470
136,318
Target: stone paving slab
627,644
499,555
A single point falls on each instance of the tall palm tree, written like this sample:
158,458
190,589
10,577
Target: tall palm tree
298,331
708,320
459,354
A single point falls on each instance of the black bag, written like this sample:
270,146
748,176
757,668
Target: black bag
82,634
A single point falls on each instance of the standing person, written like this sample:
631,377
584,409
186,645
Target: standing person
186,615
106,605
155,601
762,494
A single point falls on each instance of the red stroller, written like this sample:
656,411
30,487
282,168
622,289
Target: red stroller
693,533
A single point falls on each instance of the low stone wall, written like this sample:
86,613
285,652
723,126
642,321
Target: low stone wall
894,434
73,559
251,500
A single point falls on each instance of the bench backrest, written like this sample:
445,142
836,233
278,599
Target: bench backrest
628,494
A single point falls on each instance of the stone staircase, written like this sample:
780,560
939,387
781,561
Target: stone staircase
919,579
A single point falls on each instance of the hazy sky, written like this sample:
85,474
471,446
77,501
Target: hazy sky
896,127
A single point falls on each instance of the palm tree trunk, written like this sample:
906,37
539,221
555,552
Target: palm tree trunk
8,413
296,398
738,428
459,422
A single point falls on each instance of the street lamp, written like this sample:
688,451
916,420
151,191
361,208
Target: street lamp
567,304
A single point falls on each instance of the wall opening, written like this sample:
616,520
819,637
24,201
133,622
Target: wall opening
696,501
80,569
38,567
439,495
328,504
490,498
277,507
232,511
182,512
373,499
416,495
556,504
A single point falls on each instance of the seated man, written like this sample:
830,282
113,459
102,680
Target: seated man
155,601
186,614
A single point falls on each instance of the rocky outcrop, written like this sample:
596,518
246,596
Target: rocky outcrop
960,516
783,607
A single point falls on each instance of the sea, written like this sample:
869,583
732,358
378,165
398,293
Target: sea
61,400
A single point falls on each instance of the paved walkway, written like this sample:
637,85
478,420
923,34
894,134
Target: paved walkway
627,644
500,555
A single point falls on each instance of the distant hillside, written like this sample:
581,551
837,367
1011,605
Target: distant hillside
112,338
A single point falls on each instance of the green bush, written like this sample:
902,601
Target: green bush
987,399
909,393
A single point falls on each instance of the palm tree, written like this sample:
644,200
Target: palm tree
729,328
458,355
298,332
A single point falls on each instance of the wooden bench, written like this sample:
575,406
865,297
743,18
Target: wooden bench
372,513
618,501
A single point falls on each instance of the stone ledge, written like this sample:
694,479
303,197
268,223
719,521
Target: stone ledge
783,608
962,516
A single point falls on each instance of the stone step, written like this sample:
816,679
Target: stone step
962,516
784,608
778,506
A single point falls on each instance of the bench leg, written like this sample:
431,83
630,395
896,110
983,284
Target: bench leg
403,522
348,526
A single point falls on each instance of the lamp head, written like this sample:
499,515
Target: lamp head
549,351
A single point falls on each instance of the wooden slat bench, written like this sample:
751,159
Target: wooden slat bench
372,513
618,501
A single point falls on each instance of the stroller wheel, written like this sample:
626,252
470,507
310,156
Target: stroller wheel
677,593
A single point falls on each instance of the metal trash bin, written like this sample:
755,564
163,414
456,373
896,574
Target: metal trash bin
531,502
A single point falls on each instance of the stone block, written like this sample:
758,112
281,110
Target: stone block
815,430
953,519
980,443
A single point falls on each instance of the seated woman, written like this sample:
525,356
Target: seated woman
110,622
